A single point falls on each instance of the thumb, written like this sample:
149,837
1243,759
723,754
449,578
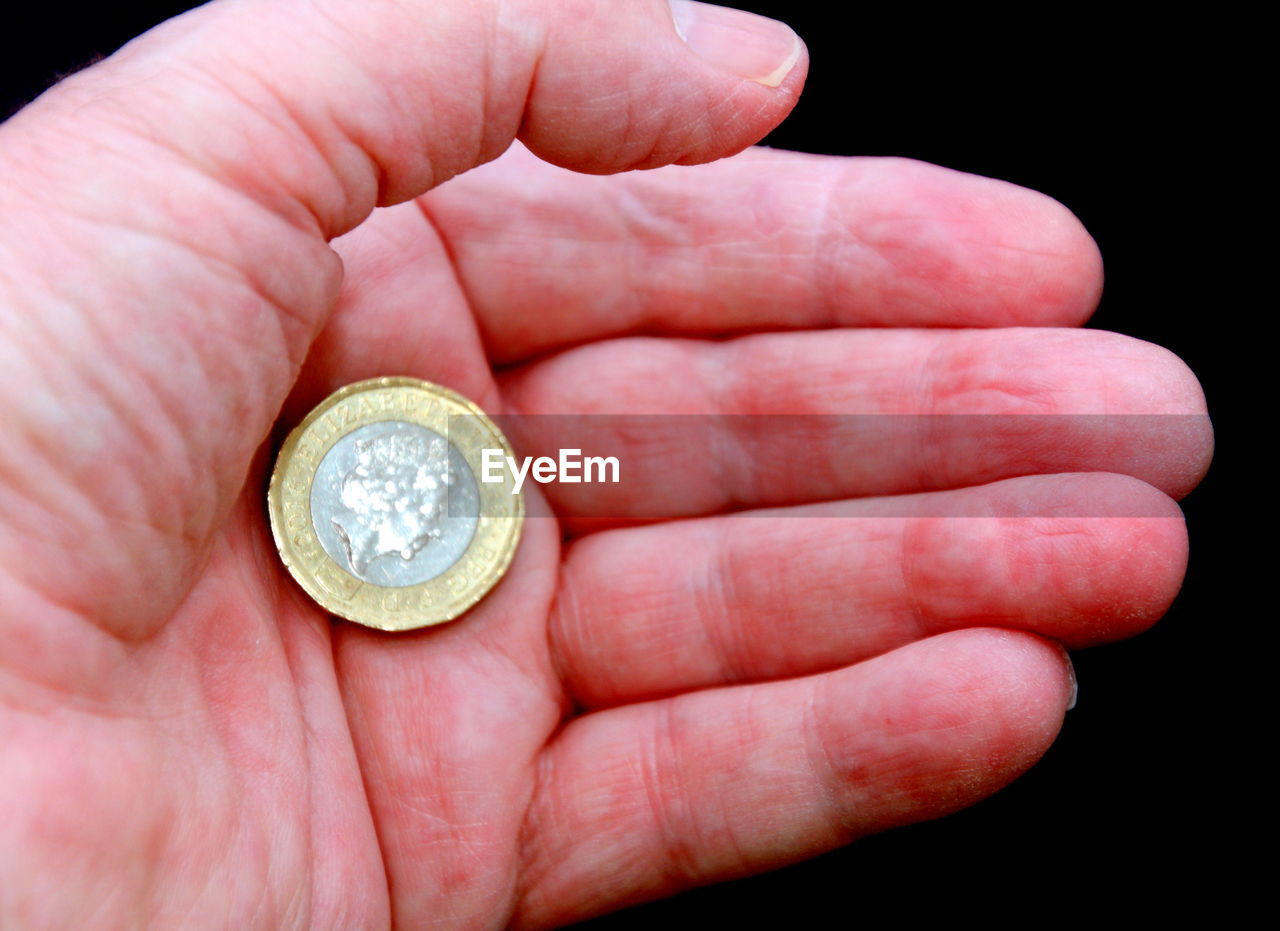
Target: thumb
163,249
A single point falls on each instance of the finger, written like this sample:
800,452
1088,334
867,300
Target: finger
163,265
777,419
649,611
642,801
765,241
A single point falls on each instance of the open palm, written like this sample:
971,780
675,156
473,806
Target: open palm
186,738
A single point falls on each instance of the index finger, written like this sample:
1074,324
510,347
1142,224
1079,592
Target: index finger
767,240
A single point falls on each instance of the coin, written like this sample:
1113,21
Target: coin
376,508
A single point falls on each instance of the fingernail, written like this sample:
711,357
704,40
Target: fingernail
753,47
1075,686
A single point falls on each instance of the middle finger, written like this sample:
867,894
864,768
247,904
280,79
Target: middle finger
790,418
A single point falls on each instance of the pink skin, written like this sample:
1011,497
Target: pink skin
185,738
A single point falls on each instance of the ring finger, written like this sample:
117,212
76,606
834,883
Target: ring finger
649,611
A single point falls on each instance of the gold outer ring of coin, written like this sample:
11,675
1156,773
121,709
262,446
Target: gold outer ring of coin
439,599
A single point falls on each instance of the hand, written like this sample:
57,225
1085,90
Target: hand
186,738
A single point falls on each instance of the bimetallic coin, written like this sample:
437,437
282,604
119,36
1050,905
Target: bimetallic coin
377,510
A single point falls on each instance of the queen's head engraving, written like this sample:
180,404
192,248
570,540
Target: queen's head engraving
394,498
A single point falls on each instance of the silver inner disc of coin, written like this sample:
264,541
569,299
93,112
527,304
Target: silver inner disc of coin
394,503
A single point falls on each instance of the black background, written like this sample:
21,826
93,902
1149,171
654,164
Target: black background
1131,813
